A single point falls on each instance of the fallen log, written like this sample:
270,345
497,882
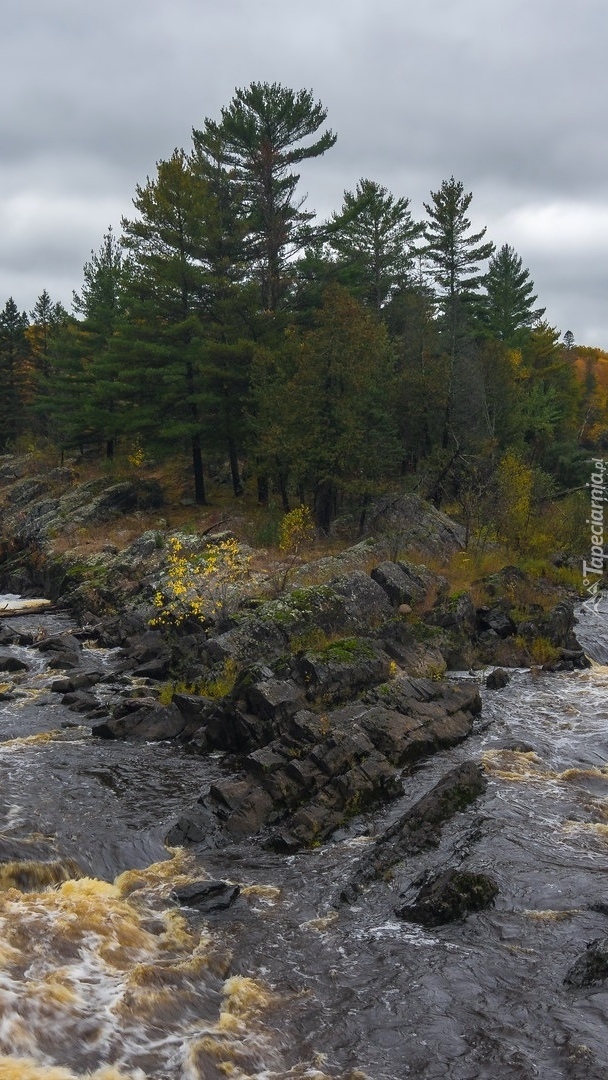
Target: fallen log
23,607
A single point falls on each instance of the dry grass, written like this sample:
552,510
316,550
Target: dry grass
258,527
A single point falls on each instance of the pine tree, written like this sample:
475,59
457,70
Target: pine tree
260,137
374,234
453,254
45,316
14,371
47,319
325,407
99,305
160,344
508,306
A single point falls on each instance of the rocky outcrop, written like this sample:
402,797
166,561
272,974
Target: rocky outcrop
307,773
36,507
420,827
409,522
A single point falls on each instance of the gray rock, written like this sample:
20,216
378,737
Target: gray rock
274,699
10,662
153,723
591,968
408,521
497,679
402,583
450,896
497,620
207,896
420,827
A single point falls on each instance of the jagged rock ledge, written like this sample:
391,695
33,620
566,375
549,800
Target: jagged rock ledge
314,732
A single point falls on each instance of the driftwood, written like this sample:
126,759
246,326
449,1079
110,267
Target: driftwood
23,607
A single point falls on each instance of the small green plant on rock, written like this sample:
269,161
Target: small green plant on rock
542,651
216,685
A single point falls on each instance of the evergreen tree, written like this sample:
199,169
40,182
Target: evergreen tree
65,390
45,316
375,234
47,319
508,306
99,305
14,365
160,343
259,139
454,253
325,407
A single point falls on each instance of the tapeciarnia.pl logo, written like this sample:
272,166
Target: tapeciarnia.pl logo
594,568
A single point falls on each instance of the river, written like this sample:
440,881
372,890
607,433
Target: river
104,975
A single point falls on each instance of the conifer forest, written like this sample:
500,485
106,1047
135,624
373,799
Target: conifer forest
316,362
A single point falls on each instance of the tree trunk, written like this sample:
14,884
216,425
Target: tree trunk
237,485
197,467
325,505
282,484
263,490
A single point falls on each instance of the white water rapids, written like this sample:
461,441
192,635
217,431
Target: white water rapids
105,976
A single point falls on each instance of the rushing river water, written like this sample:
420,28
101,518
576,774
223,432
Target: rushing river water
103,975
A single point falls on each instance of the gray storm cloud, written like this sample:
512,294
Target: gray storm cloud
507,96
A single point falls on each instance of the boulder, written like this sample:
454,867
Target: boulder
456,613
496,619
449,896
152,722
274,699
80,701
590,968
62,650
10,662
420,827
408,521
207,896
497,679
342,670
147,655
402,583
82,681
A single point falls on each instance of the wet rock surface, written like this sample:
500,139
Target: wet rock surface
591,968
307,772
207,896
420,827
449,896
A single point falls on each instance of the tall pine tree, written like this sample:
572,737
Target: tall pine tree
374,234
262,134
454,254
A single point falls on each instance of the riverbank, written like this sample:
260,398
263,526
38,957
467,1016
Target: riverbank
321,677
350,753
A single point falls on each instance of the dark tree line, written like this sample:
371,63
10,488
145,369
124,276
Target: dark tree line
333,359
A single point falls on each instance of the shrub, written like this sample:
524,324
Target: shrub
202,586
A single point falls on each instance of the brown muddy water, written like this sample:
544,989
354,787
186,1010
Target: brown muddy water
104,975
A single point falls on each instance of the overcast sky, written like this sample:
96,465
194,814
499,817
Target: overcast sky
508,96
